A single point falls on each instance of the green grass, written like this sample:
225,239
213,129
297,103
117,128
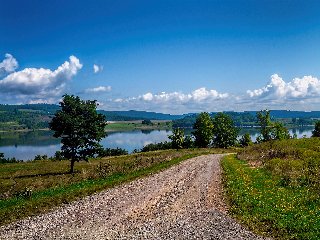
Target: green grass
51,186
260,200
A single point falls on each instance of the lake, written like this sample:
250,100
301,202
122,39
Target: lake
26,145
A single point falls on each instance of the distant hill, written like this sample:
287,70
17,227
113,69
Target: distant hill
248,118
45,108
34,116
137,115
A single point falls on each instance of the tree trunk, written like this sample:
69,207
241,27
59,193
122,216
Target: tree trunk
72,166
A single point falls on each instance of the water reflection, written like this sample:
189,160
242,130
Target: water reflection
134,139
26,145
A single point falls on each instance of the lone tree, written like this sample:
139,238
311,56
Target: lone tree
224,132
80,127
203,130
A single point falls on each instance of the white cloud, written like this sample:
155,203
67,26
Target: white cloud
198,95
278,89
298,94
97,68
147,96
8,65
198,100
98,89
39,84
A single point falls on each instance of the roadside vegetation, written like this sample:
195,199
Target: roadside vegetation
274,187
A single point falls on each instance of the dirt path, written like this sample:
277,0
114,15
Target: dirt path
183,202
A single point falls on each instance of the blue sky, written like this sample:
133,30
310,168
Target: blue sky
165,56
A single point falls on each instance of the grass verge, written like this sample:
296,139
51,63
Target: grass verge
260,201
90,177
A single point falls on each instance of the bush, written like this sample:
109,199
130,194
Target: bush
316,131
147,122
245,140
188,142
58,156
177,138
8,160
157,146
107,152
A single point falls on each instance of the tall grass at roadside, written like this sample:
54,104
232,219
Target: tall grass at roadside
273,188
295,161
31,188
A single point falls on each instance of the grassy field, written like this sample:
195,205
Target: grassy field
34,187
273,188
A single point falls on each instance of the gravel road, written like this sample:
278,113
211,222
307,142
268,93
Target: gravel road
183,202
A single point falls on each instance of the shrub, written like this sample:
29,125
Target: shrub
177,138
157,146
316,131
106,152
245,140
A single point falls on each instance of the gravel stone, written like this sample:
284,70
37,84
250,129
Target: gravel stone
183,202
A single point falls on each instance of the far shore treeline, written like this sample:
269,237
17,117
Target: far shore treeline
38,116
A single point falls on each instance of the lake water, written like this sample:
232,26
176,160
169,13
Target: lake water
26,145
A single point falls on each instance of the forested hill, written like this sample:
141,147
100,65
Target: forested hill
36,116
248,118
43,108
138,115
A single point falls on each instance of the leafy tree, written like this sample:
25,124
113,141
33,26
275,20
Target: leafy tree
245,140
224,132
203,130
265,125
270,130
80,127
177,138
279,132
316,131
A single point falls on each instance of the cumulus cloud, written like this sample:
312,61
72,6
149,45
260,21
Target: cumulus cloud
8,65
198,100
198,95
298,94
98,89
278,89
39,84
97,68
